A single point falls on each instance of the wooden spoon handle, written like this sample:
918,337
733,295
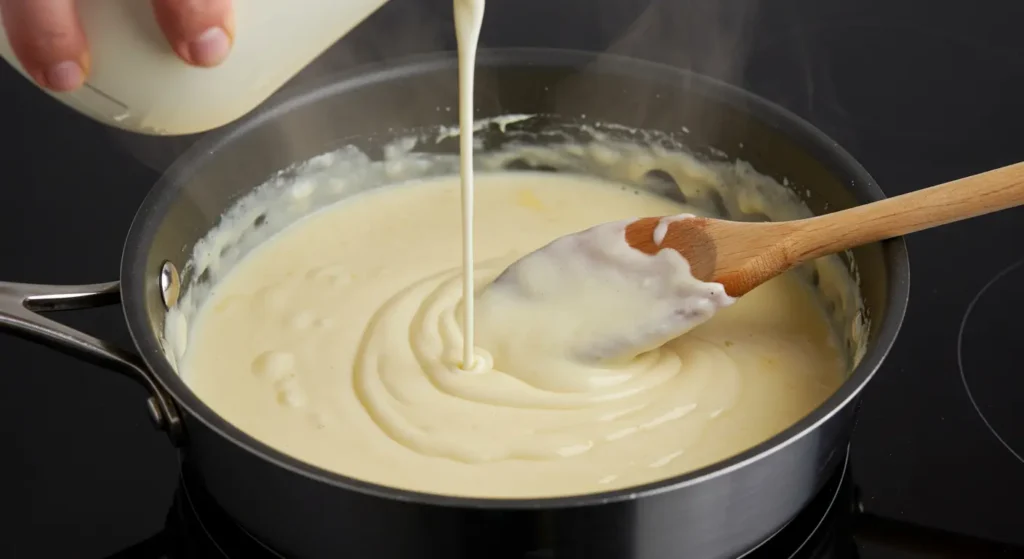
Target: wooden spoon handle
930,207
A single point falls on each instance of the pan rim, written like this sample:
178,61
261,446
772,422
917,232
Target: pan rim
143,228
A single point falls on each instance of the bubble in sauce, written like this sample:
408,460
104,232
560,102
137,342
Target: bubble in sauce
291,395
274,365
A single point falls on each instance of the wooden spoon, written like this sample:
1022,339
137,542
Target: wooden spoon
741,255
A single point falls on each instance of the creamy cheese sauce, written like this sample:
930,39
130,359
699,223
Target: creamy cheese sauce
348,338
339,342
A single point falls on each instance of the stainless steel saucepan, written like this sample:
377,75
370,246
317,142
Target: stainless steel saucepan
720,511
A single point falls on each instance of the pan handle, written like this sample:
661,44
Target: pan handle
21,308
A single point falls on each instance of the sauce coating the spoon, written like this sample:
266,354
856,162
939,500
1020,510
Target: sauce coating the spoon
593,297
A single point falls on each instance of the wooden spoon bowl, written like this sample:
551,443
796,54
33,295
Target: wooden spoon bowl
743,255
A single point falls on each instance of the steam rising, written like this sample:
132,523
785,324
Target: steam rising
712,37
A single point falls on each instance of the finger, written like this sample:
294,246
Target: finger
48,40
200,31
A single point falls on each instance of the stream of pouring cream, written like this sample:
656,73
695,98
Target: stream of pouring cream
469,16
422,407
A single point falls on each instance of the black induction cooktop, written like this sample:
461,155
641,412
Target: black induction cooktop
834,525
920,91
197,528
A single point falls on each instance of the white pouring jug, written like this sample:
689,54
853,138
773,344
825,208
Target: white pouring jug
137,83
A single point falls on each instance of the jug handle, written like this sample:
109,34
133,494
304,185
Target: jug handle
21,308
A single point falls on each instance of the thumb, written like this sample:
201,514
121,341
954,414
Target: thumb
199,31
48,40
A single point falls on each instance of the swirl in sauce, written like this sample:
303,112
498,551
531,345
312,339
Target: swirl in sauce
339,341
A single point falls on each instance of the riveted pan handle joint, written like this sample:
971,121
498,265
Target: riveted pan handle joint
21,308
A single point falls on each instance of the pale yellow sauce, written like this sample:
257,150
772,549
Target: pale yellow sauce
339,342
347,341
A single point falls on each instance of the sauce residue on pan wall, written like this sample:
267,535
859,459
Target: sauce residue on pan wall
333,321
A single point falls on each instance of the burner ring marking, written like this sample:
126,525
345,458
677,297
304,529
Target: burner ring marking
960,358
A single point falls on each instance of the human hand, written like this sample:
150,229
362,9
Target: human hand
47,36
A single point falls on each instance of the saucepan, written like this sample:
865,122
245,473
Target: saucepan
719,511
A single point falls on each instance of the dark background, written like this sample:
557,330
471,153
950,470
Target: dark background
920,91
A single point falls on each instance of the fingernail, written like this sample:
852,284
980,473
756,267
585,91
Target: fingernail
65,76
209,48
